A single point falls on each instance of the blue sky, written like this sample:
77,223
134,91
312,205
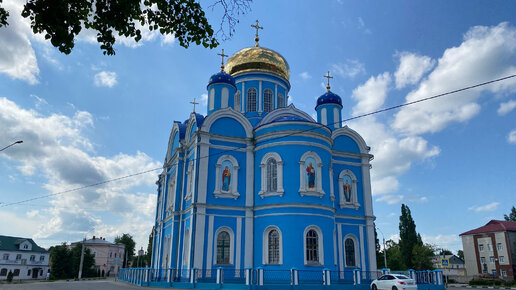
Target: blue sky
86,117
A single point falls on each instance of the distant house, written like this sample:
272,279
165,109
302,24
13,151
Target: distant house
491,249
108,256
23,257
456,266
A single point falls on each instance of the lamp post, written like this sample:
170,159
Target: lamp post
140,254
17,142
384,249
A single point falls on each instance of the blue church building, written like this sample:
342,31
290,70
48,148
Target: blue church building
258,183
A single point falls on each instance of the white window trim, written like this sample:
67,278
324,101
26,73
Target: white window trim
248,103
324,116
186,248
342,200
263,165
320,248
172,186
336,118
237,102
190,186
231,247
265,252
355,244
224,100
211,100
218,186
318,175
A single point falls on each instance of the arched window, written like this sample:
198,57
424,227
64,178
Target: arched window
312,247
349,246
186,247
281,100
251,100
3,272
211,100
267,100
273,247
190,186
237,101
16,272
324,120
336,118
272,175
223,248
224,98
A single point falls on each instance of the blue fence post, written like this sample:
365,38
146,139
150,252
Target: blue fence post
356,276
248,276
294,276
326,277
438,277
193,276
259,274
412,274
220,275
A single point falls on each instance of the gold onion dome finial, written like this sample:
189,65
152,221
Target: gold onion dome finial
257,38
328,77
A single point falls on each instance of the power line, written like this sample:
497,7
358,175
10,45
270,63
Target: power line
271,139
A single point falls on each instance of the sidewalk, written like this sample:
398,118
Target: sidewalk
477,287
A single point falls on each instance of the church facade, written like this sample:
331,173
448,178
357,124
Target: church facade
259,183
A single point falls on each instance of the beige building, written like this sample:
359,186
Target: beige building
108,256
456,266
491,249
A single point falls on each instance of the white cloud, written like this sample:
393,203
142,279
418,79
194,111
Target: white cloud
411,68
105,79
56,149
450,241
362,26
506,107
372,94
481,57
488,207
511,138
17,58
390,198
350,69
305,75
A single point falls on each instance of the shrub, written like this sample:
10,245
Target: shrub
10,276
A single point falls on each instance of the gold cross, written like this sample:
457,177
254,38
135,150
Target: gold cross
257,38
328,77
222,63
194,103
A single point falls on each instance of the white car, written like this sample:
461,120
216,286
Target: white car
394,282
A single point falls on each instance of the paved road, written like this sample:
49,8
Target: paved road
73,285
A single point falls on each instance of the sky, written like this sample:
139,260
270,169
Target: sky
85,118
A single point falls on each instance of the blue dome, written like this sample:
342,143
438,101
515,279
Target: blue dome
329,98
222,77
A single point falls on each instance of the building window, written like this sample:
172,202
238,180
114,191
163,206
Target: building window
482,260
313,246
350,249
6,257
16,272
336,118
489,247
348,189
491,259
481,247
3,272
272,175
251,100
493,272
32,258
281,100
501,259
267,100
310,170
224,98
272,246
111,254
25,246
324,118
211,100
28,273
499,246
223,248
226,177
503,272
190,185
237,101
18,257
186,247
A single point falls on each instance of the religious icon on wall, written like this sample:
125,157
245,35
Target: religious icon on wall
310,173
348,188
226,176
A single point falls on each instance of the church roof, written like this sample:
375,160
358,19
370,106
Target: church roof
222,77
287,114
493,226
329,98
258,58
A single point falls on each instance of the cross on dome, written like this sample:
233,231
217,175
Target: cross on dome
256,38
222,63
194,102
328,77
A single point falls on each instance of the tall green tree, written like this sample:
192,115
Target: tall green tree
60,21
408,236
445,252
88,263
148,256
512,215
129,244
394,258
60,262
460,254
422,257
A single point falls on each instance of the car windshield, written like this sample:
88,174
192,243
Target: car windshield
401,277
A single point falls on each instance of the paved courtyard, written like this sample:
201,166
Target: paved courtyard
74,285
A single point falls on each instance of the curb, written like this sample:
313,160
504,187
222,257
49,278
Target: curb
478,287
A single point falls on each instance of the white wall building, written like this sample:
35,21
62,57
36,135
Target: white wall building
23,257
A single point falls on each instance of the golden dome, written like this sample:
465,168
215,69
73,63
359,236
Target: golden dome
258,59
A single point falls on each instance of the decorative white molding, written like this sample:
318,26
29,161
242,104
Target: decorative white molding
289,143
320,248
190,185
291,110
355,249
233,191
227,113
279,175
265,246
346,131
303,186
354,198
231,244
224,98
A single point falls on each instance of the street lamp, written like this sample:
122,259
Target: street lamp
384,249
17,142
140,253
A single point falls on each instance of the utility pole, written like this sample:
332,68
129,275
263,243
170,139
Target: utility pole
82,258
384,249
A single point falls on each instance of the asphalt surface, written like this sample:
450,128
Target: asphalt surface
74,285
